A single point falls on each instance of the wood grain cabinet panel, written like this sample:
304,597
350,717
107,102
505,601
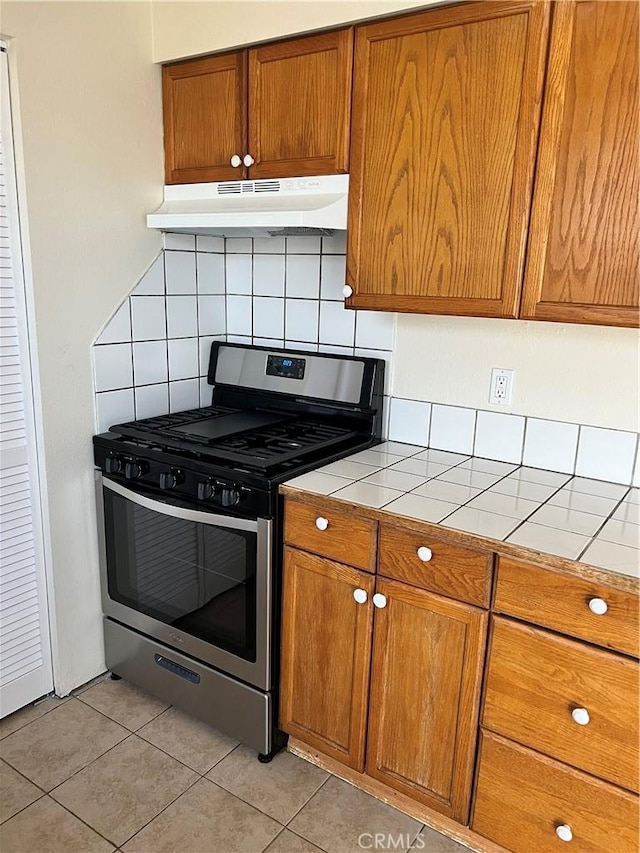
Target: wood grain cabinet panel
205,118
522,798
425,693
300,106
445,118
326,649
585,227
561,602
535,681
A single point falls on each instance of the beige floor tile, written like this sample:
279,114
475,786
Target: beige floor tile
55,746
289,842
206,819
16,792
279,788
90,684
339,815
124,789
194,743
27,715
45,827
431,841
123,702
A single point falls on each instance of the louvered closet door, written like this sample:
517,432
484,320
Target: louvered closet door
25,655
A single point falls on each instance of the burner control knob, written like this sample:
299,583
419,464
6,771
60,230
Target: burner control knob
229,497
113,464
205,490
170,479
133,469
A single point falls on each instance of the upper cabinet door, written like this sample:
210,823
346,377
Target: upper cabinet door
446,109
300,105
205,118
583,250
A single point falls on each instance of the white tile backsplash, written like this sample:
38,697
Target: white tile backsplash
606,454
303,276
452,428
184,395
288,293
499,436
114,407
180,271
182,316
150,362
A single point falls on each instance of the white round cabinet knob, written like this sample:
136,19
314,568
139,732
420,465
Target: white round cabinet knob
248,160
236,161
581,716
380,600
598,606
564,832
347,291
322,523
360,595
425,554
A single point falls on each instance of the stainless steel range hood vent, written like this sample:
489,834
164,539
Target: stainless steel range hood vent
279,206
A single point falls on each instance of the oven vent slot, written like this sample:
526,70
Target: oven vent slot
230,188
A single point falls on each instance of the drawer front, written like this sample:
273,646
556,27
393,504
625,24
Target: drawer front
522,799
425,561
345,537
569,604
571,701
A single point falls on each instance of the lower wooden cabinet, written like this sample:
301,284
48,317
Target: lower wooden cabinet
425,678
425,689
529,803
326,651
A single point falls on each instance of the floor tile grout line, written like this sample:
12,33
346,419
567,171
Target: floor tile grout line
317,790
62,700
32,803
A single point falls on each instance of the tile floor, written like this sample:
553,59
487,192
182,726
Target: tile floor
113,768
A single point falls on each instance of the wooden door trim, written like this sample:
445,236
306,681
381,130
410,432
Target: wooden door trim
343,42
524,155
458,804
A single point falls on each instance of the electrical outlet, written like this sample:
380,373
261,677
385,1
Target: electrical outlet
501,387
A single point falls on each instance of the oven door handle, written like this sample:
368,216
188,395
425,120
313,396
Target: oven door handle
181,512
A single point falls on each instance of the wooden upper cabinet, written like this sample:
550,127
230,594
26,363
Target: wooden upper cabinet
445,120
425,693
584,243
326,650
300,106
205,118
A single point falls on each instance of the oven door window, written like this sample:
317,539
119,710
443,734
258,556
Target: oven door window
199,578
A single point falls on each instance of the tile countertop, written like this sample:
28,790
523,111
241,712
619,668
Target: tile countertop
590,521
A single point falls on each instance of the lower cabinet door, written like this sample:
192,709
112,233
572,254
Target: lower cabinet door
529,803
425,694
326,651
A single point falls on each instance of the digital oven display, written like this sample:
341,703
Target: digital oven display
289,368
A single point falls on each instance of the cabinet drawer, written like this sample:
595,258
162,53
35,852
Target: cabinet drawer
539,687
451,570
522,798
563,602
346,538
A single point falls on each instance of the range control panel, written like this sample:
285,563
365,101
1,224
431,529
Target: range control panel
285,366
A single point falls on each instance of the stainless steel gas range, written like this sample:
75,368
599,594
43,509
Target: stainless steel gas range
190,527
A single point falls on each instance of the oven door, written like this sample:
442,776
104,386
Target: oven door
195,580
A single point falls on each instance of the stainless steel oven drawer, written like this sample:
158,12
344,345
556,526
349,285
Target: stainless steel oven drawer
236,709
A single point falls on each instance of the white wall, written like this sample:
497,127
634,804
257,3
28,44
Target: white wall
184,28
90,110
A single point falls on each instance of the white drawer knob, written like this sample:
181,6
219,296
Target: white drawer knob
598,606
581,716
347,291
564,832
380,600
360,595
248,160
322,523
425,554
236,161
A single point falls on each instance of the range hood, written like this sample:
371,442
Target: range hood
272,206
